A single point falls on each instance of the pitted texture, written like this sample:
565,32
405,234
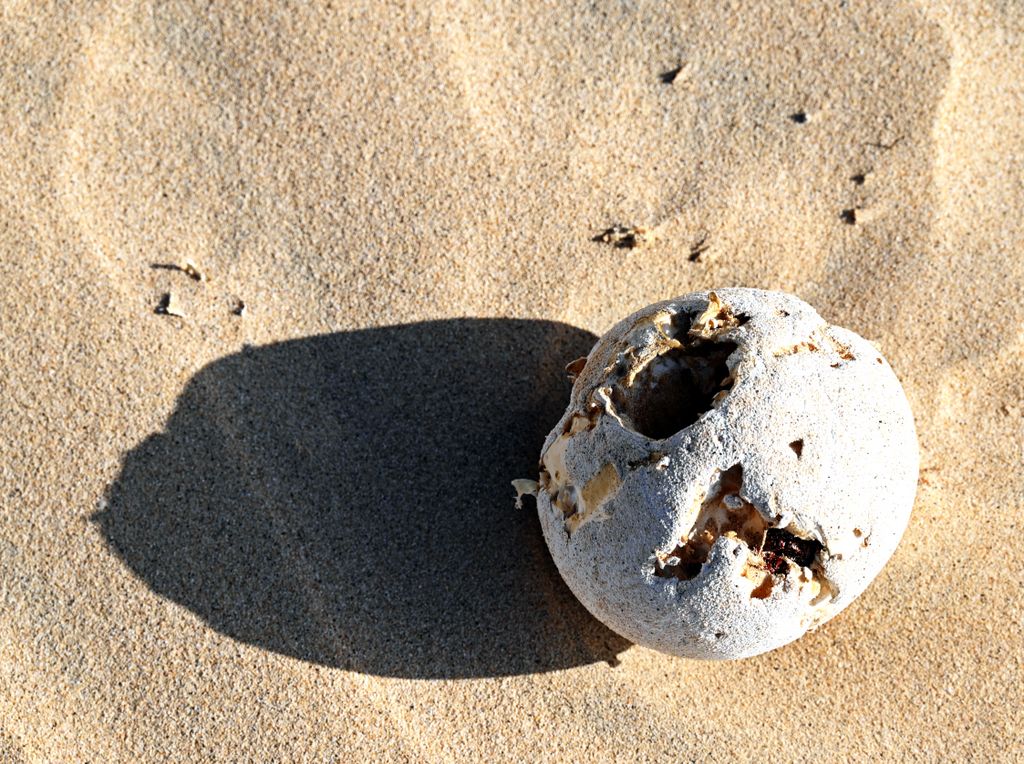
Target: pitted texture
731,472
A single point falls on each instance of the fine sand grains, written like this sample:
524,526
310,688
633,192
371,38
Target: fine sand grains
291,536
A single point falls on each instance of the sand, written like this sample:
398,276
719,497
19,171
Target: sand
289,535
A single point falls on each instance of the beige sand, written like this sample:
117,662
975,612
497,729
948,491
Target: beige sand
289,535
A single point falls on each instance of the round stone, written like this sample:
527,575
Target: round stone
731,472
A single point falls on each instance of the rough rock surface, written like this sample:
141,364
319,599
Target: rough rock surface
731,472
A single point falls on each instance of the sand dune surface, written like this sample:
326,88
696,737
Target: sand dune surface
279,526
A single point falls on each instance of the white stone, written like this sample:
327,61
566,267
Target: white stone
731,472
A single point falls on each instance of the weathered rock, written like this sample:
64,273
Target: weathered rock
731,472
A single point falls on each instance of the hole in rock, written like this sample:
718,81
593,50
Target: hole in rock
781,546
675,388
798,447
724,512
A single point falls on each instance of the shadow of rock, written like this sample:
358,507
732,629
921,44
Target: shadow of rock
345,500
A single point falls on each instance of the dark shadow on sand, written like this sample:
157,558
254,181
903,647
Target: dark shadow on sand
345,499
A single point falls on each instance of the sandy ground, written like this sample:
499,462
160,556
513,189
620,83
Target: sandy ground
288,535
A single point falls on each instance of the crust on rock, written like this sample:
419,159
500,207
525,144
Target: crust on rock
723,457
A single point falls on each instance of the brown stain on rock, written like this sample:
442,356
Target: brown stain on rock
595,494
602,486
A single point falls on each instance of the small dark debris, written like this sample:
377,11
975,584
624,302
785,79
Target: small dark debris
624,237
776,564
239,309
780,543
719,634
698,248
799,117
670,76
798,447
684,571
849,216
859,178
